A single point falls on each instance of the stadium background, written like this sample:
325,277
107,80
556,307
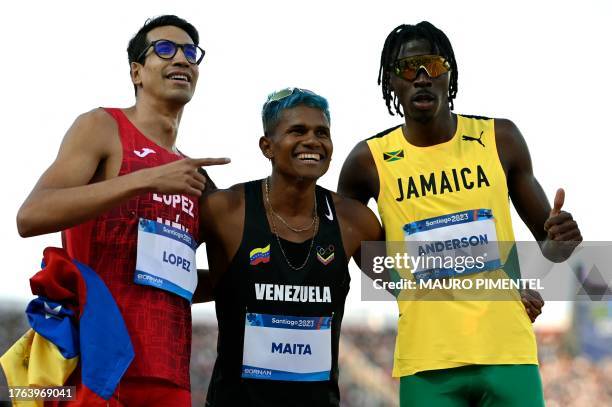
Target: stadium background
543,64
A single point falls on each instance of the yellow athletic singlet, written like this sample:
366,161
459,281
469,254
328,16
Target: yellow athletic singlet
459,179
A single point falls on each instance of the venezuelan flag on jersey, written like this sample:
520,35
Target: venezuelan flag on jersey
74,315
259,255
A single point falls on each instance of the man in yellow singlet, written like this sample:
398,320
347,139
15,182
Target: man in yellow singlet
442,165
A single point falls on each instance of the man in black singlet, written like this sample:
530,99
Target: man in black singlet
278,251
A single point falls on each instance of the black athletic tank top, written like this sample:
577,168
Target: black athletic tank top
259,286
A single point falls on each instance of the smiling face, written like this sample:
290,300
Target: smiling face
172,79
424,98
300,144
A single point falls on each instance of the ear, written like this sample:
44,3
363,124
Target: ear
265,145
135,70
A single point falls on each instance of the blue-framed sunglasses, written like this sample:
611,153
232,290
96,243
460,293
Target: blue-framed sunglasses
166,49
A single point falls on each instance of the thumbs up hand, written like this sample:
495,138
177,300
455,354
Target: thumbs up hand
560,225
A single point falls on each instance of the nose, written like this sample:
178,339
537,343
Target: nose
180,58
315,142
422,80
311,138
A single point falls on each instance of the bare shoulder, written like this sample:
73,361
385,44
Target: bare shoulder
95,121
505,127
507,133
222,215
91,140
224,201
98,117
356,217
359,176
360,156
361,151
345,207
93,130
511,145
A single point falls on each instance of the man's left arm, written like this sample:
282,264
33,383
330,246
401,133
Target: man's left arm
555,229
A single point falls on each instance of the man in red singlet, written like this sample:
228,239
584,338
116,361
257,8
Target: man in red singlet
127,202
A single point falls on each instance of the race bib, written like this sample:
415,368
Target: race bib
279,347
166,259
453,245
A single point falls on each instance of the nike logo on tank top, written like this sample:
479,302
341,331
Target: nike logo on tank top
279,327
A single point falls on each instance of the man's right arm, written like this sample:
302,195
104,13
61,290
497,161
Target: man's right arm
76,187
359,177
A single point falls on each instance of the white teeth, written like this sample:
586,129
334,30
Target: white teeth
180,77
306,156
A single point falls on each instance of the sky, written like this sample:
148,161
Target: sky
545,65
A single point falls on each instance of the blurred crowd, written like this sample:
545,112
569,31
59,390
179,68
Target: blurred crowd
366,359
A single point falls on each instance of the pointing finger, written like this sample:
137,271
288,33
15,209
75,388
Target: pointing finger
202,162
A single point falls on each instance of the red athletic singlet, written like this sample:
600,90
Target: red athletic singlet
159,323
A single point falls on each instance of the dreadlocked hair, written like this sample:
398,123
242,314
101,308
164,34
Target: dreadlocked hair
402,34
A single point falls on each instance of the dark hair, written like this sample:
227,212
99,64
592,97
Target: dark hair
271,111
402,34
139,41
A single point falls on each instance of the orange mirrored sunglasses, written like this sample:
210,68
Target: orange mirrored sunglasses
408,68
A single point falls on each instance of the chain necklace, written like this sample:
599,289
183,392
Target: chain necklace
296,230
315,222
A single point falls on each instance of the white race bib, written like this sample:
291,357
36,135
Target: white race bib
279,347
166,258
453,245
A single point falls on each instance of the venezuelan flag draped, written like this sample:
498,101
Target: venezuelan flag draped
74,316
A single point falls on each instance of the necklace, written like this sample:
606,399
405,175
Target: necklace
296,230
315,222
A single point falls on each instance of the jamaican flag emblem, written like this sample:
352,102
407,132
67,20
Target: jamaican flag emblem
393,155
